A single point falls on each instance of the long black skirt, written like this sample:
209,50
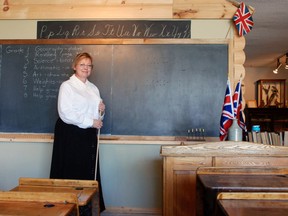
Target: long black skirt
74,154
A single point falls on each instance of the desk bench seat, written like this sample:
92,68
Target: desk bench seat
86,191
213,180
40,203
264,204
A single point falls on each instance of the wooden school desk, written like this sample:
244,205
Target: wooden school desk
85,190
247,204
42,203
209,185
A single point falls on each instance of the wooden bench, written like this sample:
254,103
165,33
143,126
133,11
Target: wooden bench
207,188
86,190
40,203
248,204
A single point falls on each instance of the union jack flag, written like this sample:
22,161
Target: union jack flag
227,113
237,104
243,20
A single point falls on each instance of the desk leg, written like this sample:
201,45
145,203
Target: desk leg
95,204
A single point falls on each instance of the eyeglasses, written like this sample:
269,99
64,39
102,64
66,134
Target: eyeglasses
82,66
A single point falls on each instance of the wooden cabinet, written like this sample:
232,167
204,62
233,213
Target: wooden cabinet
179,181
180,164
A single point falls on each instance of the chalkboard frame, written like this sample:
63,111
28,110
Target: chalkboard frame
42,137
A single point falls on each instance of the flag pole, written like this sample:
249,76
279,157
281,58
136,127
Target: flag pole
237,4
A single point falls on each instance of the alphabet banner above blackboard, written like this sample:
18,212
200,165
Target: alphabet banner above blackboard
113,29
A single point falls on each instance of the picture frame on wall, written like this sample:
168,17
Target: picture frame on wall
271,93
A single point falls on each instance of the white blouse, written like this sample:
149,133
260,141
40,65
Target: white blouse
78,102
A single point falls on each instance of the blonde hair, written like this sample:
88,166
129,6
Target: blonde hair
79,57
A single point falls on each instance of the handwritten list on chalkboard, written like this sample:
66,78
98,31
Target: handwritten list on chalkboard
30,79
114,29
43,68
160,90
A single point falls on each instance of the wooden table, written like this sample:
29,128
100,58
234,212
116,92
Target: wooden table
35,208
209,185
247,204
44,204
85,190
84,195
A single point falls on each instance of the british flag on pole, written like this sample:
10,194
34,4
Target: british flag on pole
237,105
227,113
243,20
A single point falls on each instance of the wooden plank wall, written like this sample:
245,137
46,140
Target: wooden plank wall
133,9
107,9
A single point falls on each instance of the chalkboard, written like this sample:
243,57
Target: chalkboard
148,89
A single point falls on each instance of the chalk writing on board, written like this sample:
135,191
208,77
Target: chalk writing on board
43,68
25,72
113,29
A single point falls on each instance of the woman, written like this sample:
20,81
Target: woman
81,111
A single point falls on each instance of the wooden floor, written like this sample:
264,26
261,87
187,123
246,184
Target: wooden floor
129,213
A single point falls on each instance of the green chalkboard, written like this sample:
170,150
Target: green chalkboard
148,89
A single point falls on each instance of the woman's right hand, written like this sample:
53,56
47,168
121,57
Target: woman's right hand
97,123
101,107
